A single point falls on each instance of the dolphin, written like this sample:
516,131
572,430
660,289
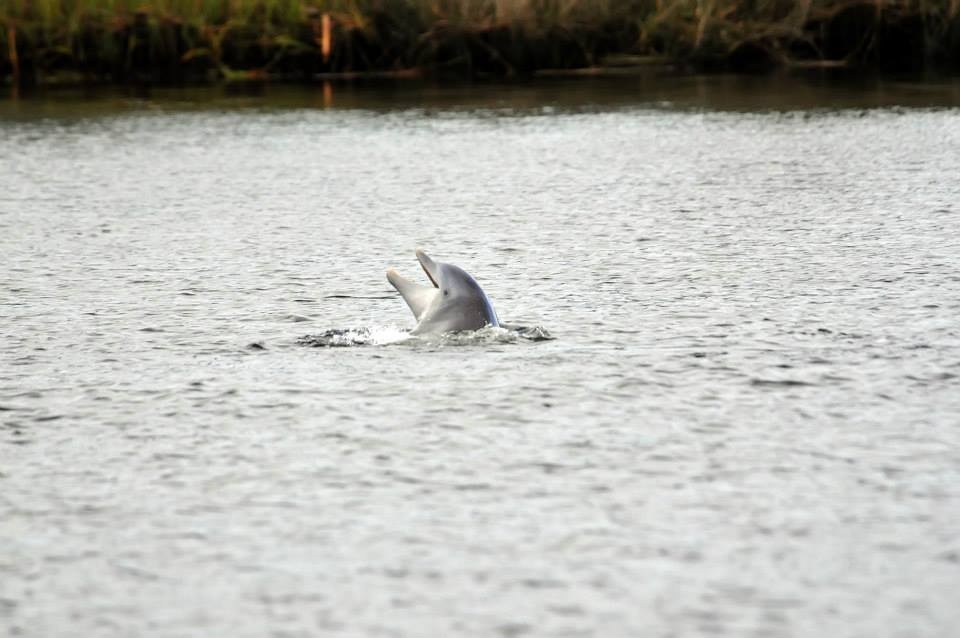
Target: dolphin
454,302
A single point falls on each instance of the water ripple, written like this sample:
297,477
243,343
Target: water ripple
745,423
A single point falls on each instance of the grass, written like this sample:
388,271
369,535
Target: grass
191,40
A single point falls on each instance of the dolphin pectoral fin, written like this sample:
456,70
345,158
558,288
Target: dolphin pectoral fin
417,297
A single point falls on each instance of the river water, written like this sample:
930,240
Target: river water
746,422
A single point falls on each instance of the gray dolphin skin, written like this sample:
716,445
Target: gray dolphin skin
454,301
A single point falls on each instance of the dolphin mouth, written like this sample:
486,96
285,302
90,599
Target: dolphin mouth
428,265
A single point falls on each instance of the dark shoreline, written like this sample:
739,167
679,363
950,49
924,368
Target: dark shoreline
153,47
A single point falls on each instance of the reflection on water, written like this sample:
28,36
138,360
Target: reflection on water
744,422
652,89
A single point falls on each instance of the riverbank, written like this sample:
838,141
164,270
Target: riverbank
175,41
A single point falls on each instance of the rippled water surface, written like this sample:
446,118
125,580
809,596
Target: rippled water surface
746,422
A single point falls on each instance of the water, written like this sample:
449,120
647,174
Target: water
745,422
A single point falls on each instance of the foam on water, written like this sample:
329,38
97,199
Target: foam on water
389,335
363,336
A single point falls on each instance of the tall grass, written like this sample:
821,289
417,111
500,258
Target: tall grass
175,40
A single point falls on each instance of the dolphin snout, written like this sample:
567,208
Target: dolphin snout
393,276
429,266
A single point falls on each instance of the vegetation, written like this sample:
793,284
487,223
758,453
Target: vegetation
191,40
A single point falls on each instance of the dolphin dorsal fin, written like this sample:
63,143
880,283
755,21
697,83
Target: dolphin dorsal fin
418,297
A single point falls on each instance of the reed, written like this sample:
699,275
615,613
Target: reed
190,40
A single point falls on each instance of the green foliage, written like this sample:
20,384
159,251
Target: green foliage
120,40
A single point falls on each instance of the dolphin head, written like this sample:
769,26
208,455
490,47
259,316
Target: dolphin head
451,282
453,300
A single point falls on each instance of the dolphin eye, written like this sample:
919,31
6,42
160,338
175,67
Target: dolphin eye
446,293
